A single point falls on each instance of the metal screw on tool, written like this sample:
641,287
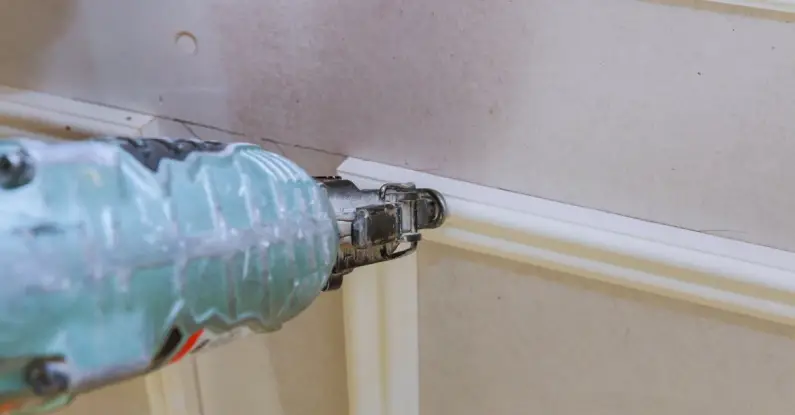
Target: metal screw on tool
16,169
45,379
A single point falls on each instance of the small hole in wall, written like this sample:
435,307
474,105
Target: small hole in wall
186,42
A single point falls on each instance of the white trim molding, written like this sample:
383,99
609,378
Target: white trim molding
691,266
175,390
787,6
381,338
49,115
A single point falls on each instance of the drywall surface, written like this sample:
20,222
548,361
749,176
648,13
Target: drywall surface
502,338
675,111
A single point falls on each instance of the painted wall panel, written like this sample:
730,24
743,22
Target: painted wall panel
503,338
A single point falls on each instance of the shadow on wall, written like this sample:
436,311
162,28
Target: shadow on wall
28,33
308,357
718,7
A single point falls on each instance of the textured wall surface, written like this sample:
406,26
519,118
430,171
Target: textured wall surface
502,338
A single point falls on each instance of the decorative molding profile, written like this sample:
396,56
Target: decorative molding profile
381,326
41,114
787,6
695,267
173,390
381,338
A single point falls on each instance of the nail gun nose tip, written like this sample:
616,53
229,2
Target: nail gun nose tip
441,208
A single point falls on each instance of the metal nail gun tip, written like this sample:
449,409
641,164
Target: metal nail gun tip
440,205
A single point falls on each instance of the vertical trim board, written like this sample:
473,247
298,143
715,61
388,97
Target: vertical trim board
381,343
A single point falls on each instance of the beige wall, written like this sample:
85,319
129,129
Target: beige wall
297,371
128,398
502,338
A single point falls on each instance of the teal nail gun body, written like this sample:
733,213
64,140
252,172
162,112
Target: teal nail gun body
120,256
